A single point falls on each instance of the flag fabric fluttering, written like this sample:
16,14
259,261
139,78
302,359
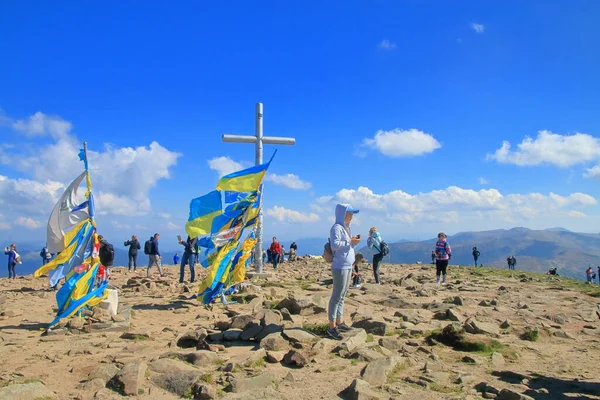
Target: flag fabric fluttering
71,233
222,216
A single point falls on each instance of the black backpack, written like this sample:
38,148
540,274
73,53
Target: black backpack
383,249
148,246
106,253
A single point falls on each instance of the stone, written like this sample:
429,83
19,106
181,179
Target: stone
485,303
377,371
563,334
241,322
257,382
409,283
324,346
136,335
256,304
304,305
267,330
391,343
352,340
270,317
363,312
232,335
179,383
131,378
252,331
202,357
375,327
105,372
299,336
559,319
507,394
92,386
274,342
497,360
293,357
286,315
364,353
76,323
399,303
361,390
167,365
190,339
473,326
289,378
275,356
453,315
27,391
505,324
457,300
204,391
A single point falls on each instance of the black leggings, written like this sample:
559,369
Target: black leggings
133,260
376,260
440,267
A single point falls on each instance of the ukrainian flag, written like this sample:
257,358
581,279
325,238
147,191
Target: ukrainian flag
246,180
203,211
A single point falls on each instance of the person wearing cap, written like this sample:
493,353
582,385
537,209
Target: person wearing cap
443,252
342,246
374,240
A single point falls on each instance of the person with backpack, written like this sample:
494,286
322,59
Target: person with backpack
512,261
134,246
106,253
374,241
589,273
443,253
13,260
46,255
189,256
154,257
275,252
342,245
476,255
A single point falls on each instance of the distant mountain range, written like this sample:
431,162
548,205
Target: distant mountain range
535,250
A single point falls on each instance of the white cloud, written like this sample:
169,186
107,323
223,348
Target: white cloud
387,45
282,214
164,215
593,172
3,224
401,143
172,226
478,28
575,214
550,148
121,177
120,226
453,204
483,181
29,223
289,181
225,165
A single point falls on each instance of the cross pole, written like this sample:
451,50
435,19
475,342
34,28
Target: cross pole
258,139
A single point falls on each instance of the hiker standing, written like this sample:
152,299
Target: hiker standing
275,249
189,256
443,252
589,273
46,255
512,261
12,254
106,253
154,257
134,246
599,275
374,240
176,259
476,254
433,256
342,247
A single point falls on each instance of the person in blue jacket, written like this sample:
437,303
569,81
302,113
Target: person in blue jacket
11,252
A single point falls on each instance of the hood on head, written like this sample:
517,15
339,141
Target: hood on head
340,212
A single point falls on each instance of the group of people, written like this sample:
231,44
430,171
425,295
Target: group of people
590,275
276,253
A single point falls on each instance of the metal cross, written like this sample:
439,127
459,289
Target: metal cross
258,141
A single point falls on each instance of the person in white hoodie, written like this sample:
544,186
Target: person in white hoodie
342,245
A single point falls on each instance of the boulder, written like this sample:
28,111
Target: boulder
297,335
375,327
231,335
252,330
361,390
473,326
269,317
177,382
377,371
274,342
507,394
257,382
275,356
131,378
241,322
295,358
27,391
352,340
267,330
497,360
304,305
105,372
166,365
391,343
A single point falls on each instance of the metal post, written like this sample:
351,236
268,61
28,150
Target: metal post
258,128
258,139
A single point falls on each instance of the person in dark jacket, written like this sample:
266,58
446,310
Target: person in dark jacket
134,246
11,252
476,255
189,256
154,258
106,253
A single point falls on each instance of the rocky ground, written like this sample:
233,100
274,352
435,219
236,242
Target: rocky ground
487,334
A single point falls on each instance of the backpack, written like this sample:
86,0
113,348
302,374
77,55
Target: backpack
383,249
106,253
148,246
327,252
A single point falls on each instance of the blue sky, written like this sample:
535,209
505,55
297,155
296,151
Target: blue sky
401,108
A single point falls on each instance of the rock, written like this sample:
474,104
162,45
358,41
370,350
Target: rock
522,306
256,304
471,360
363,312
275,356
76,323
274,342
105,372
361,390
295,358
267,330
453,315
136,335
216,337
27,391
373,326
497,360
457,300
304,305
167,365
559,319
270,317
92,386
507,394
131,378
241,322
253,383
435,306
222,324
179,383
204,392
505,324
391,343
286,315
324,346
252,330
191,338
409,283
409,316
289,378
473,326
202,357
466,379
494,302
232,335
297,335
377,371
485,303
363,353
352,340
397,303
563,334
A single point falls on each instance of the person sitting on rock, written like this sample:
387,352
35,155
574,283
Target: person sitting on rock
356,277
